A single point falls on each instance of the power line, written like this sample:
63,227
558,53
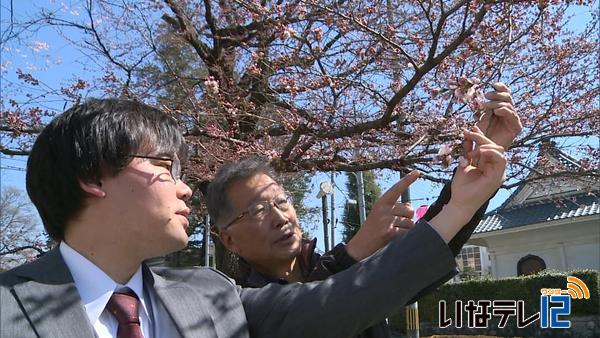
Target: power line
346,195
13,159
12,168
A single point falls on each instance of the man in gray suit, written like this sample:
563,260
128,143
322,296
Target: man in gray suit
105,177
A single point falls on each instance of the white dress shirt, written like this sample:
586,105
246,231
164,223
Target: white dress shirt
95,289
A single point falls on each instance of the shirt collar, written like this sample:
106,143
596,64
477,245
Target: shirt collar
257,279
95,286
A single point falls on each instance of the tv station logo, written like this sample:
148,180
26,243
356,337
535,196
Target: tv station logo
555,305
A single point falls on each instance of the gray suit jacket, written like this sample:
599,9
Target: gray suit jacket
40,299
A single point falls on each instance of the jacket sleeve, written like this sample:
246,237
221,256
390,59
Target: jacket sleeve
348,302
338,259
457,242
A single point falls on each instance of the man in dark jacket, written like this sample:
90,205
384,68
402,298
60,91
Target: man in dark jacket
249,190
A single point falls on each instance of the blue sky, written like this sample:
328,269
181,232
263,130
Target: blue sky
53,60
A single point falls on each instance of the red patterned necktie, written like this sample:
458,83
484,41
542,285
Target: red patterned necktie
124,306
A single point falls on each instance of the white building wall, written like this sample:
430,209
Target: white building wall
507,263
584,256
562,246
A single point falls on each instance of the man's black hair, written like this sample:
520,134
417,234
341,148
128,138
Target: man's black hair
87,142
219,206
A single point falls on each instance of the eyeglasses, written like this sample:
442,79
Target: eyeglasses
175,168
260,210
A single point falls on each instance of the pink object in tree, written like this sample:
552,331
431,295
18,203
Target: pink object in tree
420,212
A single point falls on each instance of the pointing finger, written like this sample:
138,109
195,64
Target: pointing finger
391,196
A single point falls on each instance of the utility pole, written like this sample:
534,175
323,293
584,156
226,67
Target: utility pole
325,221
360,186
405,198
325,189
207,240
412,310
361,197
333,218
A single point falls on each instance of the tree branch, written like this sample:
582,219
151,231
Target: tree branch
21,248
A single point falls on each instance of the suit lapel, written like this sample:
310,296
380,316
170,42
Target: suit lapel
187,308
51,300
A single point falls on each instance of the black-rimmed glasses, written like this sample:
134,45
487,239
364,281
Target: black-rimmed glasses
175,165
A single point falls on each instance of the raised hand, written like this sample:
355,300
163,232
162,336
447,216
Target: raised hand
388,218
500,121
472,185
481,173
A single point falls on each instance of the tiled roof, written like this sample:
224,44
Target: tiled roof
548,210
566,160
548,149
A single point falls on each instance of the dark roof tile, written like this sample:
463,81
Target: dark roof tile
575,206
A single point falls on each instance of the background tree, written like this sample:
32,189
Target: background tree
174,72
21,239
298,186
350,217
346,85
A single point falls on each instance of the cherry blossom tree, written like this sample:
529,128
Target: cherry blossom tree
20,238
323,85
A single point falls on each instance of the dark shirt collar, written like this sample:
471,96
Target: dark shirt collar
257,279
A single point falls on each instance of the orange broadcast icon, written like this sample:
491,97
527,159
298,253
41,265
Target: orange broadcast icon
577,288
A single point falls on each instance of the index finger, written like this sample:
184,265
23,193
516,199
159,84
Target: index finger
393,194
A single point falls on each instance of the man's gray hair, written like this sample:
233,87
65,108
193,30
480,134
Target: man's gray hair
219,206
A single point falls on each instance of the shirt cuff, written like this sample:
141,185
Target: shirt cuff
342,257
